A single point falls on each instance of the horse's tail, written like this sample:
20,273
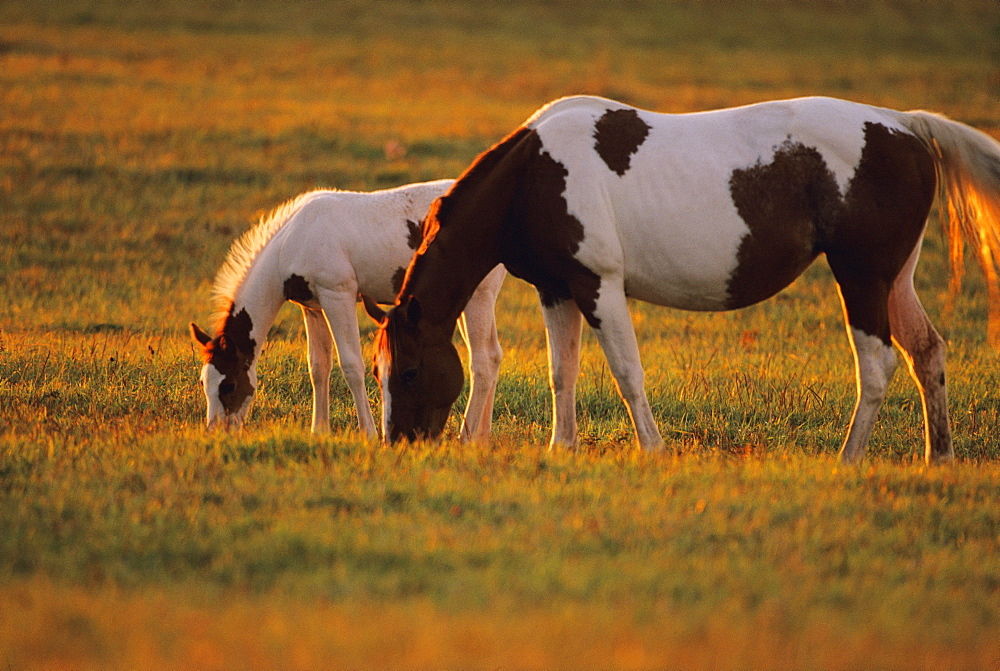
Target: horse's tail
968,167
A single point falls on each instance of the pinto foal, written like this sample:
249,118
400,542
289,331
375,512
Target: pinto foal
593,201
321,250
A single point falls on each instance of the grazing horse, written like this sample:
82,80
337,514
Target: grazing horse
593,201
320,250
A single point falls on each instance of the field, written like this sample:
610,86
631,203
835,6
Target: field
137,140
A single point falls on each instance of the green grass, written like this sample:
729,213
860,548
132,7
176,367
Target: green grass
137,141
888,558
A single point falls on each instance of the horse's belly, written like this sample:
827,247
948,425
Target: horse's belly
695,282
685,254
686,243
715,272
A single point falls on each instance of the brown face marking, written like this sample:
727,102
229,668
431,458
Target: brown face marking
414,234
231,353
296,289
425,378
617,135
794,212
236,332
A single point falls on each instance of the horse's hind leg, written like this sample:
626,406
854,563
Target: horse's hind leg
924,351
865,300
875,362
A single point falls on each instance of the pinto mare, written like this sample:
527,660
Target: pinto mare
319,251
593,201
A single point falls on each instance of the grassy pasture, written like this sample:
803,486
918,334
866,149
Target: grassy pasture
137,141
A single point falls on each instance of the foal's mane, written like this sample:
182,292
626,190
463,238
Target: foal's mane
245,250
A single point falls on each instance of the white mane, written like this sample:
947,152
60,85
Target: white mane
246,248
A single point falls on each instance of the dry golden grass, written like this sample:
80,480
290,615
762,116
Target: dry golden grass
65,628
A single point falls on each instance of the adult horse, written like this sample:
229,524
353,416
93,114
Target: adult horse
593,201
320,250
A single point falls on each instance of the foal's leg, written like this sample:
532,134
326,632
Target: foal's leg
341,311
320,341
617,337
924,351
563,326
478,326
865,301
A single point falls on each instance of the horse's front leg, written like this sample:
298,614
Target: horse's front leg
616,335
563,326
320,343
478,326
341,312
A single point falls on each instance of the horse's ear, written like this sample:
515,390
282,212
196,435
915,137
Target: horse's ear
199,336
374,311
413,310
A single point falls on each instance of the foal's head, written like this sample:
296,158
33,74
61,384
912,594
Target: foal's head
228,379
419,372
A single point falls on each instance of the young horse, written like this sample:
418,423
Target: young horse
593,201
320,250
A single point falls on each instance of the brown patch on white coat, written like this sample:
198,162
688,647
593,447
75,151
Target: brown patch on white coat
795,212
617,135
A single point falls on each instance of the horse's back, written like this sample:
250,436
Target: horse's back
358,241
669,201
361,215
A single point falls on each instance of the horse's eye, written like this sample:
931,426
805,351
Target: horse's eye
227,388
408,375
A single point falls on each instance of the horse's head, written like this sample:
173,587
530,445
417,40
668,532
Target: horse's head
228,379
419,372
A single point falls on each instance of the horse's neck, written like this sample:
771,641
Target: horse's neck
470,222
445,277
256,302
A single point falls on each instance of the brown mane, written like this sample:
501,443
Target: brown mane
482,194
